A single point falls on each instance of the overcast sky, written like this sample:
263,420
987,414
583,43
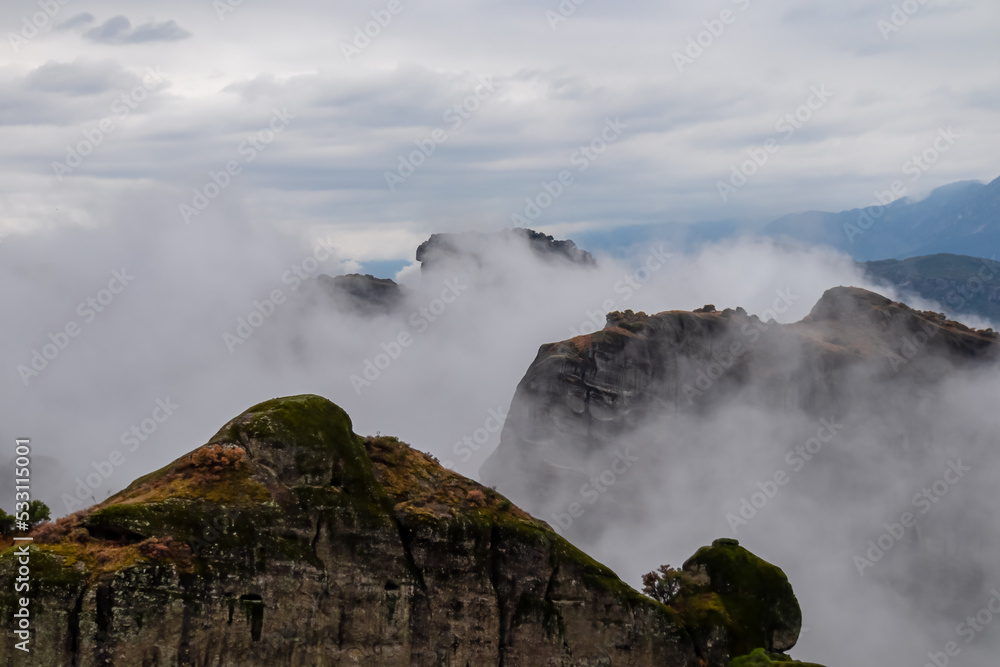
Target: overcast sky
350,113
188,155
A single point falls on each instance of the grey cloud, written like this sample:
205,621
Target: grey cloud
984,97
408,97
65,94
685,129
75,21
168,31
80,77
119,30
325,175
110,31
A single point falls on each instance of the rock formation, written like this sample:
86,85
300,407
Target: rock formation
475,247
362,294
289,540
584,395
468,253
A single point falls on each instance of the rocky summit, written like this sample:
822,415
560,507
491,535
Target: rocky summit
287,539
467,253
478,248
587,395
361,294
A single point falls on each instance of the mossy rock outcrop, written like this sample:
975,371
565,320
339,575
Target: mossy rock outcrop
288,539
733,602
302,440
761,658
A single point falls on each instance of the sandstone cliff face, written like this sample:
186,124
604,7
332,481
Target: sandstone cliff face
289,540
586,395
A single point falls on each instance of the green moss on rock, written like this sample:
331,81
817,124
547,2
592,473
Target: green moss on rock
761,658
755,595
703,614
303,440
49,571
181,519
287,487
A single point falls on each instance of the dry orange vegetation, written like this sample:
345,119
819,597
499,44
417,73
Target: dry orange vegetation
213,472
416,483
210,472
619,330
66,537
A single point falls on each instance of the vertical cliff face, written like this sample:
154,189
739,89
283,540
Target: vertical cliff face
581,396
586,396
289,540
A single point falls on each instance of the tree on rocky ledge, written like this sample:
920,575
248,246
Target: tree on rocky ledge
38,513
664,584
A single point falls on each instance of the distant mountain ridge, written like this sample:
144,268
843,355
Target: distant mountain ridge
961,218
962,285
